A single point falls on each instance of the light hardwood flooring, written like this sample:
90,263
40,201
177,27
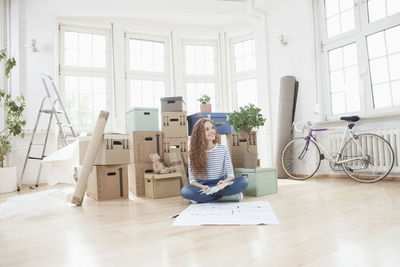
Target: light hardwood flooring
323,222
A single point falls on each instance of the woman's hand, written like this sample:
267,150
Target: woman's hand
204,187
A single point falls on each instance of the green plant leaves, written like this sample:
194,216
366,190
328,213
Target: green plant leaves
14,112
204,99
246,119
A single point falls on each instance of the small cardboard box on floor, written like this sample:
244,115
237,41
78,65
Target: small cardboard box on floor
114,149
237,145
108,182
162,185
136,172
174,124
143,144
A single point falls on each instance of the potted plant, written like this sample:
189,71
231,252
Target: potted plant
14,122
244,121
205,105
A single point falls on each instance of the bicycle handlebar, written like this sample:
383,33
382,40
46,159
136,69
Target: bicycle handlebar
300,126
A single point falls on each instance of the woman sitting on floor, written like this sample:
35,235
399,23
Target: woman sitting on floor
211,175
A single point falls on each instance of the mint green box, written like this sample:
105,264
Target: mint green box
142,120
262,181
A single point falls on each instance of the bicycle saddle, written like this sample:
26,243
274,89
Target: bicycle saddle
350,118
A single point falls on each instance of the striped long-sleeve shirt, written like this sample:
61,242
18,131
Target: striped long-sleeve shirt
218,162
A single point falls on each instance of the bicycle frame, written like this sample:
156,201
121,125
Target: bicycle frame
346,132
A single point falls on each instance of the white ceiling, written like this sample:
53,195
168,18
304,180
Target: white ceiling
205,12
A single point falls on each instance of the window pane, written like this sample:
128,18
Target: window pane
199,59
244,57
99,42
246,92
347,20
339,17
376,45
85,41
393,7
333,26
379,70
71,40
394,66
350,55
331,7
393,39
338,103
337,81
376,9
335,59
195,91
346,4
344,79
382,95
85,96
146,93
71,57
146,55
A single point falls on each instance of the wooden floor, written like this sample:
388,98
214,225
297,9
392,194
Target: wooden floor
323,222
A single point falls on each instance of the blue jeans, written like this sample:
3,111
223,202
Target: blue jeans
194,193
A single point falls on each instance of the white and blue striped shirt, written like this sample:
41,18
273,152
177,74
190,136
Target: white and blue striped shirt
218,162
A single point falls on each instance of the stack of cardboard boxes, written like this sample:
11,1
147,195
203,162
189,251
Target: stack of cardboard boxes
174,128
237,145
109,176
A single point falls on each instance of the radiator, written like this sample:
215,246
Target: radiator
391,135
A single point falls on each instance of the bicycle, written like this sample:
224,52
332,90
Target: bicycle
364,157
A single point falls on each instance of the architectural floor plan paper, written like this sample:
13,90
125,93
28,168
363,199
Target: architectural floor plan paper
240,213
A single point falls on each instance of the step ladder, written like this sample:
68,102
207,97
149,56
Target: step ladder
56,109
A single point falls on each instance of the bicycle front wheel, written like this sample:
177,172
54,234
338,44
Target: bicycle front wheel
367,159
301,158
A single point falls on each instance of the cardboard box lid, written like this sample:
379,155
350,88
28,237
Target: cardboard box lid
162,176
258,169
142,109
172,98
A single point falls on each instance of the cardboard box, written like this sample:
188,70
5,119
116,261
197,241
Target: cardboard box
143,144
237,145
262,181
142,119
108,182
162,185
174,124
114,149
175,103
175,144
136,174
237,163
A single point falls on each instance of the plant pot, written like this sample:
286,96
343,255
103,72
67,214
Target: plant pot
205,108
8,179
249,160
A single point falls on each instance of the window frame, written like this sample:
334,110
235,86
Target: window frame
65,70
359,36
203,78
239,76
146,75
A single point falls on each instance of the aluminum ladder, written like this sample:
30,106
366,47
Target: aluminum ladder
56,109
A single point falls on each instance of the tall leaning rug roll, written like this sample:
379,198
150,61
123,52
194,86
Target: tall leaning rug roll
286,112
90,157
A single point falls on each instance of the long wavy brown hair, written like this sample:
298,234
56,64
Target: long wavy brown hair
198,147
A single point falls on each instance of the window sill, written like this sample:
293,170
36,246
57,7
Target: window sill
369,118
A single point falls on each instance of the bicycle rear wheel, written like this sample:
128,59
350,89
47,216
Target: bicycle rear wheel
369,159
301,158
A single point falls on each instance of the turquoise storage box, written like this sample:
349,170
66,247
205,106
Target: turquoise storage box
262,181
142,120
